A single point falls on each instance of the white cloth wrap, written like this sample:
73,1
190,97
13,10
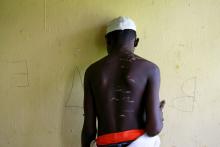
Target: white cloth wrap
146,141
142,141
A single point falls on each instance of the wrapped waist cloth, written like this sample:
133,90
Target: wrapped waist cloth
146,141
138,138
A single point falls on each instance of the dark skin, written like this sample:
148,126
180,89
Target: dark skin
121,90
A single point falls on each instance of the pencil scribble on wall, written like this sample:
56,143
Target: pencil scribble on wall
45,15
76,90
19,73
186,103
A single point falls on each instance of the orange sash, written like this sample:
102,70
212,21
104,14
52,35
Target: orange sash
124,136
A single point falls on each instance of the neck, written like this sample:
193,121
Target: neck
121,51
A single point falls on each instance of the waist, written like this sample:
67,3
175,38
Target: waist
118,137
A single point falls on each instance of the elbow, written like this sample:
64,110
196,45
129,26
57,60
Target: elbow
153,130
153,133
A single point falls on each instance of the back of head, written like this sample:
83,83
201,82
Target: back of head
121,33
120,38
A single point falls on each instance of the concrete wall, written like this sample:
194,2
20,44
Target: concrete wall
45,46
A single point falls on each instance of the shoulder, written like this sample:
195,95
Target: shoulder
148,65
94,66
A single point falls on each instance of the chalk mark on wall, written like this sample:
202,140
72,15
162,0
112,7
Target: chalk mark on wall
80,107
21,78
76,73
186,103
80,75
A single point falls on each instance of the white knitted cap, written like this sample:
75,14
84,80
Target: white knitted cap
120,23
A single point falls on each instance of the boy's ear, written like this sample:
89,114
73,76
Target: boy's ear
107,41
136,42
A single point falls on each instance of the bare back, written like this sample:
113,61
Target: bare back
118,84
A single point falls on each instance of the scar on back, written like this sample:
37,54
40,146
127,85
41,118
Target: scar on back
114,99
122,115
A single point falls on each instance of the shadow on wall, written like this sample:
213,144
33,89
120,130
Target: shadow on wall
91,43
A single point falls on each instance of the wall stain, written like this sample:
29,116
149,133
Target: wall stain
177,66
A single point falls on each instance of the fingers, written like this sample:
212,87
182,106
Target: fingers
162,103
